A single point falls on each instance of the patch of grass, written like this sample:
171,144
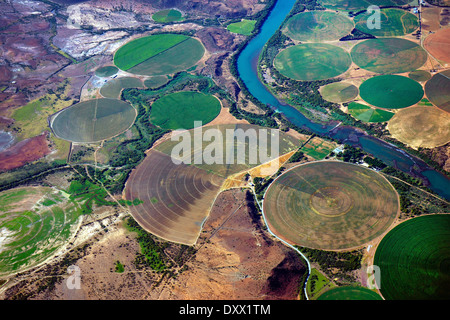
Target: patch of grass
119,268
244,27
166,16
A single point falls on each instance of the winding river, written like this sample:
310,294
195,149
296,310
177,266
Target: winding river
391,155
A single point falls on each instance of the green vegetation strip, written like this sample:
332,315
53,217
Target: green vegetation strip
391,91
113,88
414,259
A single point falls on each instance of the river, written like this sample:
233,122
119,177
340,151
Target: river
247,64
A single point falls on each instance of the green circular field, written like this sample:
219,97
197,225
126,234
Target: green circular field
316,26
106,71
358,5
420,75
414,259
339,92
438,90
312,61
391,91
167,16
93,120
350,293
159,54
35,222
389,55
330,205
180,110
394,22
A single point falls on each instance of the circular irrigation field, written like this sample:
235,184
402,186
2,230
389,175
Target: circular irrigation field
358,5
438,45
350,293
339,92
420,75
391,91
159,54
330,205
167,16
35,222
421,126
394,22
106,71
388,55
312,61
437,90
316,26
180,110
414,259
93,120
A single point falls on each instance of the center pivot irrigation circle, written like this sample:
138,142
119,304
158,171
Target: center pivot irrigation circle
330,205
331,202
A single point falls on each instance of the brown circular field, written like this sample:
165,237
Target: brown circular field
438,45
421,126
330,205
437,90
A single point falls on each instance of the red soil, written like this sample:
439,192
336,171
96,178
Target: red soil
438,45
24,152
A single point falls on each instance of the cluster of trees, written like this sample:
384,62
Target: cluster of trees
345,262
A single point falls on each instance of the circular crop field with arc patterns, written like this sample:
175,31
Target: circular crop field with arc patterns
312,61
35,222
330,205
414,259
394,22
316,26
438,45
178,192
388,55
93,120
339,92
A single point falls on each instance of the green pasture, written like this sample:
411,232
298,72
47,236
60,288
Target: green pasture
350,293
244,27
106,71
